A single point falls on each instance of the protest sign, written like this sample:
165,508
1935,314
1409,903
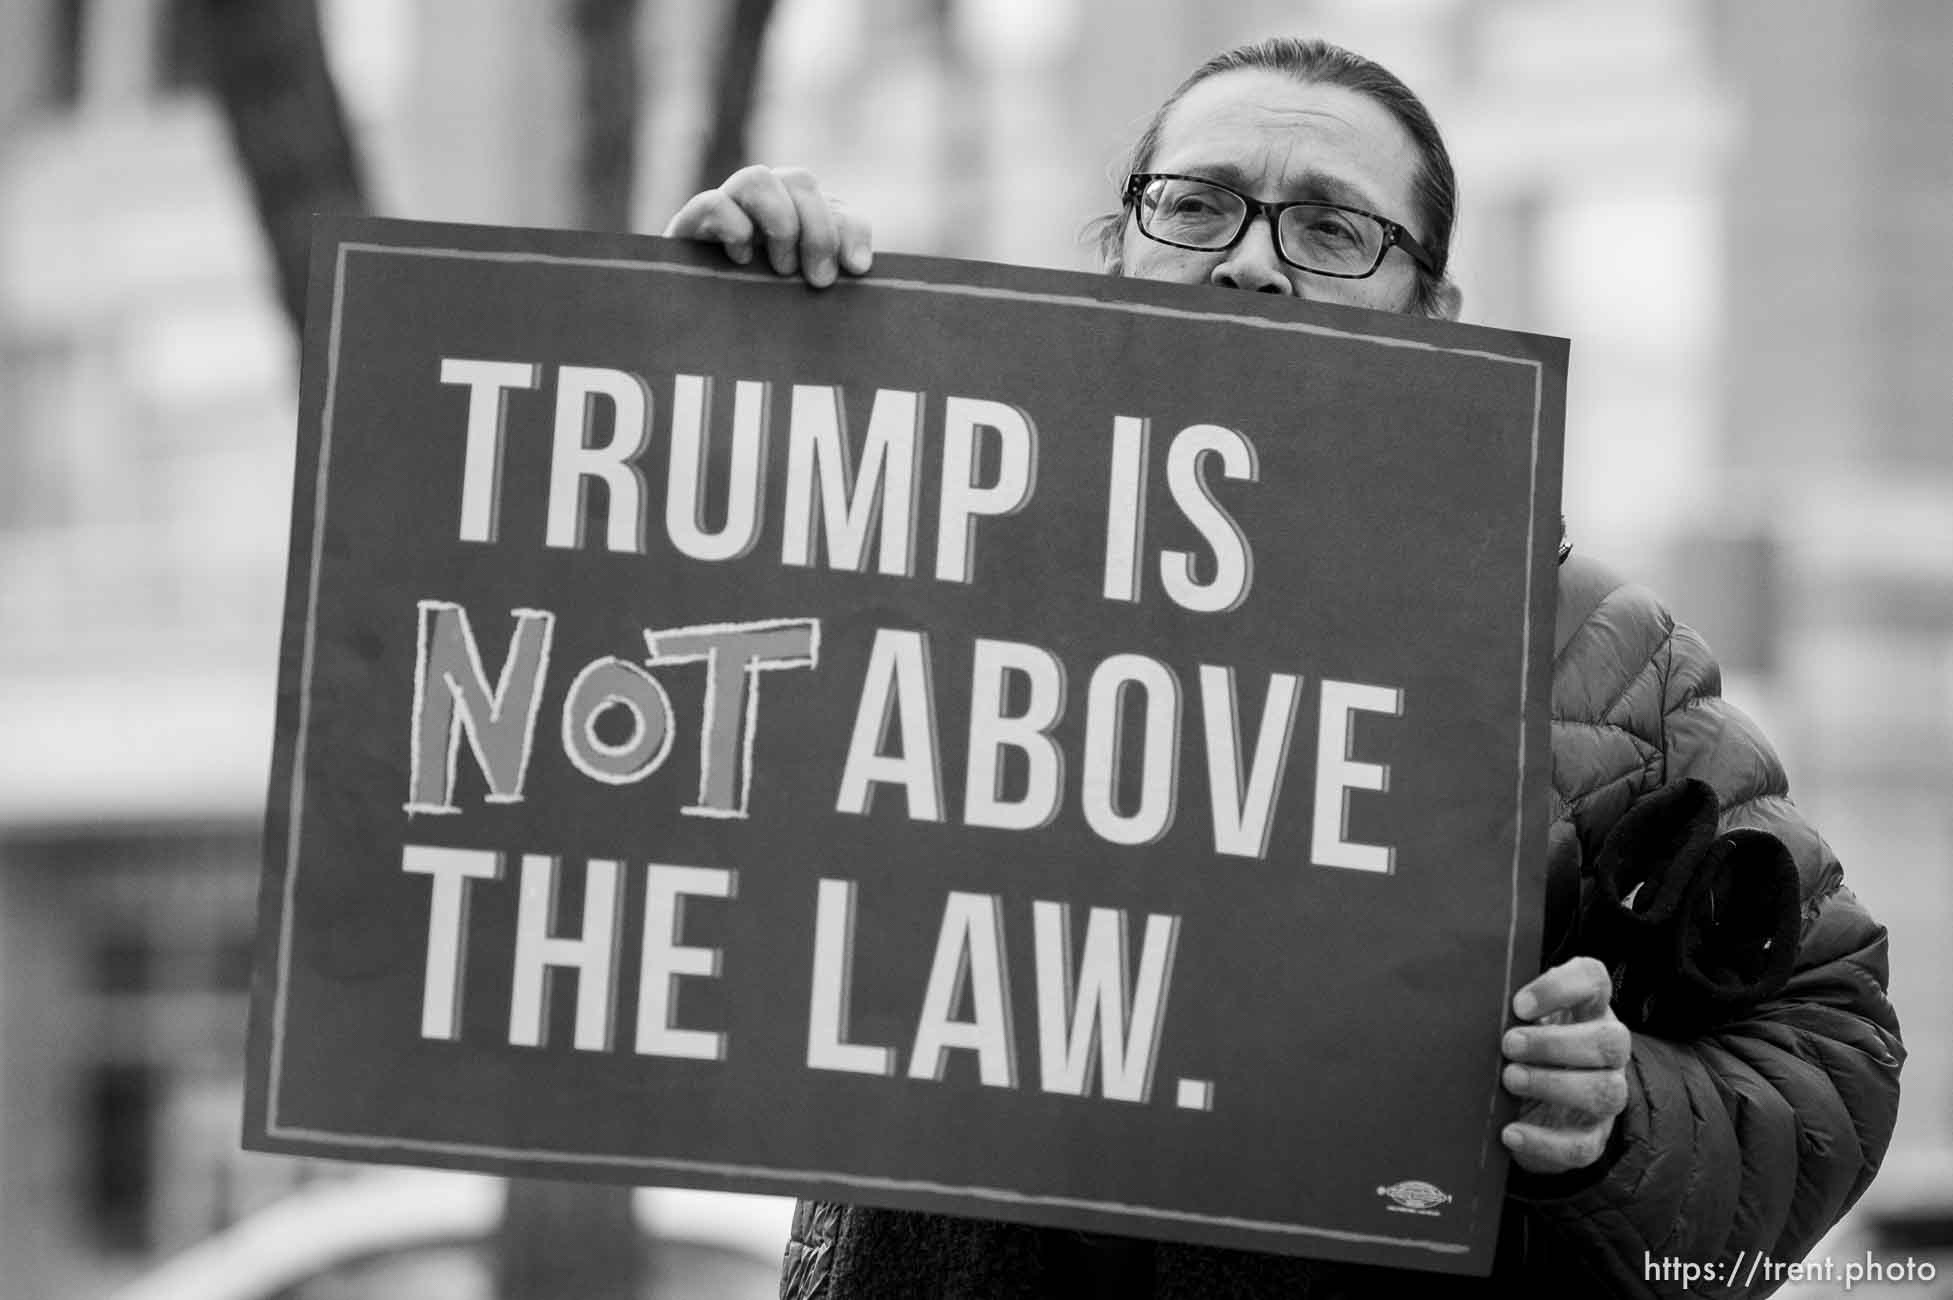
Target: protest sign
1002,742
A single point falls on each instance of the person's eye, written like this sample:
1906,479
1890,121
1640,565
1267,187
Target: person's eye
1192,203
1332,228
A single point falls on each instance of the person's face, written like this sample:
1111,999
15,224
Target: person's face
1272,137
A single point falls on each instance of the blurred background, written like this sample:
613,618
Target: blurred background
1738,211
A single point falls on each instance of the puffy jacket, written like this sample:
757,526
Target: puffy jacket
1753,1138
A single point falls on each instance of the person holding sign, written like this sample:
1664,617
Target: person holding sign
1708,1063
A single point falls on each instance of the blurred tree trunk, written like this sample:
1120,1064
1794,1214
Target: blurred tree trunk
568,1241
962,162
268,63
607,52
744,37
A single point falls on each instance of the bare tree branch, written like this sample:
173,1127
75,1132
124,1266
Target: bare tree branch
727,150
269,67
612,90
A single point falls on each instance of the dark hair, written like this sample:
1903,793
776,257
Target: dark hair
1434,189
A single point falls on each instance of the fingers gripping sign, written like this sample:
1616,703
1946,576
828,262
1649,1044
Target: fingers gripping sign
783,211
1568,1066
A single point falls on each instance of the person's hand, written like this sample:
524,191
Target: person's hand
784,210
1568,1067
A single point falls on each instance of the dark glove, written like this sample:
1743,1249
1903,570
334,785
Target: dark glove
1643,869
1735,941
1695,928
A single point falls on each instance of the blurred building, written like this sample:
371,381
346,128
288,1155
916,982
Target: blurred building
1737,212
144,443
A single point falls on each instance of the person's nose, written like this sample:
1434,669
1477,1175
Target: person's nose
1252,263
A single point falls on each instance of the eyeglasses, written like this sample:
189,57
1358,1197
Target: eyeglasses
1322,238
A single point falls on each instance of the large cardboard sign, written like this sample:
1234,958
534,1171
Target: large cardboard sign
1009,743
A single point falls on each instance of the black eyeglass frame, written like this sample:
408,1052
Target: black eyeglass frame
1394,234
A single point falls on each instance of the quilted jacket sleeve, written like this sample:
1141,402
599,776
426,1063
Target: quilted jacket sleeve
809,1259
1752,1140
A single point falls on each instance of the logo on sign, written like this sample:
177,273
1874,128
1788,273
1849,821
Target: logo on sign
1414,1197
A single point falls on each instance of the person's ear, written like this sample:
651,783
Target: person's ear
1112,253
1447,301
